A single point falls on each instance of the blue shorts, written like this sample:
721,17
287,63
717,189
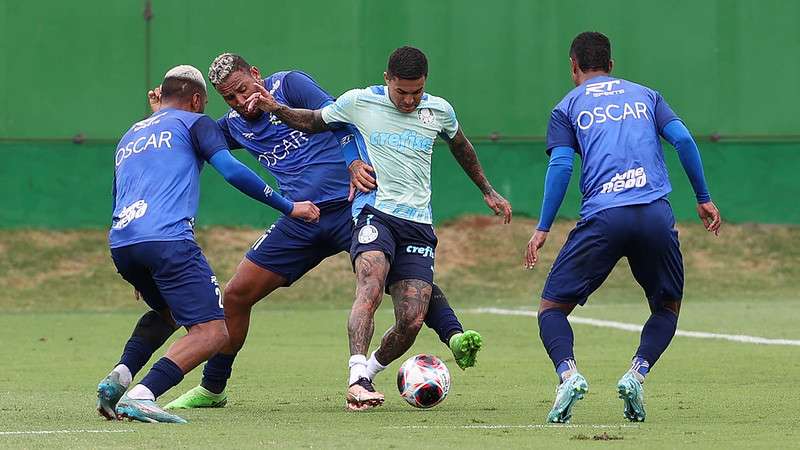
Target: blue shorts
408,245
645,234
291,247
174,275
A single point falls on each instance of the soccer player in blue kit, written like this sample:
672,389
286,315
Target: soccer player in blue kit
307,166
156,192
614,125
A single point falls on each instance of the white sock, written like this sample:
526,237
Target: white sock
358,368
374,367
141,392
125,376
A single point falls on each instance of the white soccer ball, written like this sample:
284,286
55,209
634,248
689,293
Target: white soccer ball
423,381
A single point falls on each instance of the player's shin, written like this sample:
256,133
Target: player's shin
441,318
657,334
150,333
556,334
217,371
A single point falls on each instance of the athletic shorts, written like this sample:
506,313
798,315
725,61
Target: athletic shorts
645,234
408,245
291,247
174,275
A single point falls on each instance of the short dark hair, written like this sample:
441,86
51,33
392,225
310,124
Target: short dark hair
182,88
592,51
408,63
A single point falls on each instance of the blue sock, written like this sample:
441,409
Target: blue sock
441,317
557,337
217,371
640,366
657,333
164,375
149,335
566,368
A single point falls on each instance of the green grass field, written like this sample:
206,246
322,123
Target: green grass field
67,315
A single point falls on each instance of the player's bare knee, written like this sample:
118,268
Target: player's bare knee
566,308
673,306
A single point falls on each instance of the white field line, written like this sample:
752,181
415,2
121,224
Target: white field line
741,338
21,433
503,427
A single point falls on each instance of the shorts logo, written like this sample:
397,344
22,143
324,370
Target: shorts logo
426,116
424,251
367,234
626,180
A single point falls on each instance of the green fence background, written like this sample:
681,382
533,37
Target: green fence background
728,67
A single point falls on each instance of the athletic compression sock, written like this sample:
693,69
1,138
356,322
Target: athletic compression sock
217,371
558,340
441,318
148,336
657,333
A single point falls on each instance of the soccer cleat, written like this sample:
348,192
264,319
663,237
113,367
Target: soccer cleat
465,347
144,411
109,391
361,395
631,392
198,397
568,393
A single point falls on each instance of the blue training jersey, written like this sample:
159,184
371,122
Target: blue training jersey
306,166
614,125
157,176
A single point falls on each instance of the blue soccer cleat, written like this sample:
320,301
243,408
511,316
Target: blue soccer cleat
145,411
631,392
568,393
109,391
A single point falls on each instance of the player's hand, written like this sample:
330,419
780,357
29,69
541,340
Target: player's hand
261,99
498,204
361,178
306,211
154,98
137,295
709,214
532,252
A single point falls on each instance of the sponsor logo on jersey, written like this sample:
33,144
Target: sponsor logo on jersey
633,178
611,112
604,88
409,139
249,135
130,213
149,121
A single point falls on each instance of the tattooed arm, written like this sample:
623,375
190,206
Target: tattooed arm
306,120
462,150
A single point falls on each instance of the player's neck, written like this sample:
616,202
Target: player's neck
585,76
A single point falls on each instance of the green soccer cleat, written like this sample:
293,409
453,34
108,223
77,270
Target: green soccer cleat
568,393
145,411
198,397
631,392
465,347
109,391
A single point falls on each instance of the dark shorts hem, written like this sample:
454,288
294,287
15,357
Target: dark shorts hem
189,323
564,301
289,279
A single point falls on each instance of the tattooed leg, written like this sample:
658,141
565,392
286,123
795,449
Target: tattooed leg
410,299
371,270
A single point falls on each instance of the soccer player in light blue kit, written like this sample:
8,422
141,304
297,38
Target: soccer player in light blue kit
307,166
156,192
393,243
614,125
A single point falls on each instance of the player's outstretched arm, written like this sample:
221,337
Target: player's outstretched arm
244,179
676,133
556,181
464,152
305,120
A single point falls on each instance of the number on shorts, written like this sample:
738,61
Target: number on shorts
258,241
217,291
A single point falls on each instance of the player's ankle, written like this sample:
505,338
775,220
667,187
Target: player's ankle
374,366
566,369
358,368
125,376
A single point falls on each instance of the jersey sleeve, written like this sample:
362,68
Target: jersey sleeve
449,121
560,132
663,113
303,92
343,109
207,137
222,122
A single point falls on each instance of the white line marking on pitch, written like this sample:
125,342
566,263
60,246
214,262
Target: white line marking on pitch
13,433
503,427
638,328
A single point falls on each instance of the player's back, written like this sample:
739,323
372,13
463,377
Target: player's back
615,126
156,180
